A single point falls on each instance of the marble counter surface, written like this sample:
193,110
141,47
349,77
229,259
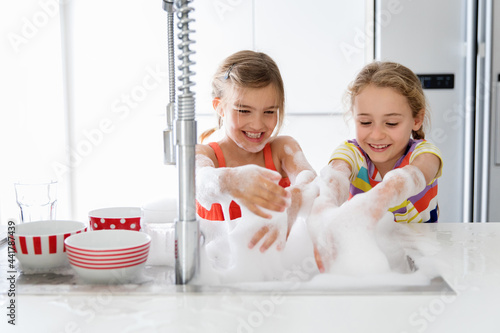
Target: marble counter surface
468,260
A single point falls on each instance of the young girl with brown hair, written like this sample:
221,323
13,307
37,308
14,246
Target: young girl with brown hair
251,165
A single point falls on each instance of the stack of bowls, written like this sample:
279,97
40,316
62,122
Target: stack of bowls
108,256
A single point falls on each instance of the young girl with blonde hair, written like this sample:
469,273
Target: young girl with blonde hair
389,166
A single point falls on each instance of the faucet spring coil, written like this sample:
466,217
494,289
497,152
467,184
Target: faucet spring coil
171,66
185,106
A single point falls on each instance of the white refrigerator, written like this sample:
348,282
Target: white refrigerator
454,47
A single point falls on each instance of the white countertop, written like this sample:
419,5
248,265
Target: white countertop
469,260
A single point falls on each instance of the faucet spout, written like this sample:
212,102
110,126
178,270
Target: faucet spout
187,253
186,227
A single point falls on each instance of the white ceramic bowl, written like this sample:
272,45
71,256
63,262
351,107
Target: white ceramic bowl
108,256
40,244
127,218
108,241
157,220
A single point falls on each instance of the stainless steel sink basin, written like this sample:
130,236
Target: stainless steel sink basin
159,280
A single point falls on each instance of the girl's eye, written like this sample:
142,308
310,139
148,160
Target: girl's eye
243,111
392,124
365,123
269,112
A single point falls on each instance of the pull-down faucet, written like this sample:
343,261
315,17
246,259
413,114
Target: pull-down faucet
182,151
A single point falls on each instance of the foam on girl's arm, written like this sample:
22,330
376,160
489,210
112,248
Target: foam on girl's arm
301,175
397,186
250,185
294,162
216,185
303,192
209,182
335,185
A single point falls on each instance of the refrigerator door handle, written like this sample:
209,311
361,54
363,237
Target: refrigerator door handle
470,87
483,111
497,120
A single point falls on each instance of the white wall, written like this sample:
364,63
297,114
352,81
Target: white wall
32,121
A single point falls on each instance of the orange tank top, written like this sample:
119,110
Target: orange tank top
215,213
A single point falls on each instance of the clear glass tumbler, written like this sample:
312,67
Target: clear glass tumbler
37,201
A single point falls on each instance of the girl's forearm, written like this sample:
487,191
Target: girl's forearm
336,178
397,186
210,181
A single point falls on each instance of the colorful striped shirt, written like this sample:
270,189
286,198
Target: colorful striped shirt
419,208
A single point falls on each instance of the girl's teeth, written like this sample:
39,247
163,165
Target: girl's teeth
253,135
379,146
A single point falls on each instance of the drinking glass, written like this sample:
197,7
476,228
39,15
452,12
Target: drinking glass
37,201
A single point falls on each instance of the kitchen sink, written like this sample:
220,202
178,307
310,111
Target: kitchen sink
159,280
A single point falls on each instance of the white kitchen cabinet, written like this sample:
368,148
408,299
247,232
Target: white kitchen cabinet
318,46
222,28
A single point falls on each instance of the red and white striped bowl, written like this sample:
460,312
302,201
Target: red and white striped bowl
40,244
106,253
92,264
108,256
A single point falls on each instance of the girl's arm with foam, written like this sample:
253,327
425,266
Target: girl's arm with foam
400,184
396,186
333,185
333,188
299,171
336,181
250,185
301,174
292,159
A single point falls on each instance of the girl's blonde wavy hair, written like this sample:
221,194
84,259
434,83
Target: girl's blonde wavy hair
246,69
395,76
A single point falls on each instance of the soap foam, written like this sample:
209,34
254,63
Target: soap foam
230,258
358,249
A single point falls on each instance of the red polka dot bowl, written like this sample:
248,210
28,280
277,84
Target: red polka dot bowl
40,244
115,218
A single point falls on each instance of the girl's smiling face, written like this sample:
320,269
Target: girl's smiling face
250,117
384,122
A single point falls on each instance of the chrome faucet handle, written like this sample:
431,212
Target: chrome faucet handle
169,141
168,6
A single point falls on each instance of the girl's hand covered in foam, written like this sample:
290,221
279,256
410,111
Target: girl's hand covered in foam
329,225
256,188
302,195
303,192
342,235
250,185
